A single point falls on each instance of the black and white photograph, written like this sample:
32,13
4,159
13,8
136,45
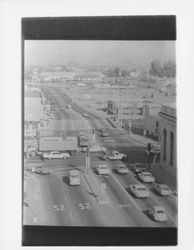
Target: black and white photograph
99,130
100,133
96,102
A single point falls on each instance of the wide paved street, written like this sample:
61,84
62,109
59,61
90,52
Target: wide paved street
98,200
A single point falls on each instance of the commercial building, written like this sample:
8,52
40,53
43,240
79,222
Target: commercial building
168,139
33,106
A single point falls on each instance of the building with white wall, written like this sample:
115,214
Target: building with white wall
168,158
33,106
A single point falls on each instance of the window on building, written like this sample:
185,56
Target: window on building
171,148
164,149
157,124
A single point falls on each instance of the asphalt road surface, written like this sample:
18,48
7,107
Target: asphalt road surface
98,200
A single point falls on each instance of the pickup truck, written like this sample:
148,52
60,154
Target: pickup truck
114,155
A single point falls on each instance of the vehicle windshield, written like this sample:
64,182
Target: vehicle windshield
140,166
147,174
160,212
141,189
121,167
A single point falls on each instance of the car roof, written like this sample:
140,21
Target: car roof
146,173
162,186
156,208
139,185
102,166
139,164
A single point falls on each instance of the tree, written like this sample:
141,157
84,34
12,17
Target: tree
167,69
116,71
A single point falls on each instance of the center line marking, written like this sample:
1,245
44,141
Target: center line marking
71,215
126,192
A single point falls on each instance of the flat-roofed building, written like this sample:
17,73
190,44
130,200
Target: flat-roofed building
33,106
168,158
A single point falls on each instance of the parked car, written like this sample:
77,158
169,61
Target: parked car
139,190
74,177
158,213
121,169
104,134
162,189
146,177
102,130
41,170
138,167
102,169
85,115
55,155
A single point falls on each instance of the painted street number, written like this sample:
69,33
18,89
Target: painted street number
84,206
60,207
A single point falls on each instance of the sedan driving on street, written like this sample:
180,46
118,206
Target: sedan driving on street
162,189
121,169
102,169
74,178
139,190
138,167
146,177
55,155
158,213
104,134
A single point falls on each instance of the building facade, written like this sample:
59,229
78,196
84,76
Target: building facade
168,159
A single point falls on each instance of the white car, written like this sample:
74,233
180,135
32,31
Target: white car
139,190
42,170
85,115
102,169
146,177
158,213
162,189
121,169
104,134
74,178
55,155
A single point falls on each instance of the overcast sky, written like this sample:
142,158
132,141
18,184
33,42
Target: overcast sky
98,53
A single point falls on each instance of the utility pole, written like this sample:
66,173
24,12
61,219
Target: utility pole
93,136
87,160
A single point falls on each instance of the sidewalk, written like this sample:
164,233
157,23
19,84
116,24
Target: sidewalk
144,140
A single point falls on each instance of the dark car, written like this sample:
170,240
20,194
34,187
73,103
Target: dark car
138,167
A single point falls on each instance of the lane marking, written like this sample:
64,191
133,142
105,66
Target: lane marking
35,219
71,215
125,192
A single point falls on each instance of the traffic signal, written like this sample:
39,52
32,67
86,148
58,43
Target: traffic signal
149,146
